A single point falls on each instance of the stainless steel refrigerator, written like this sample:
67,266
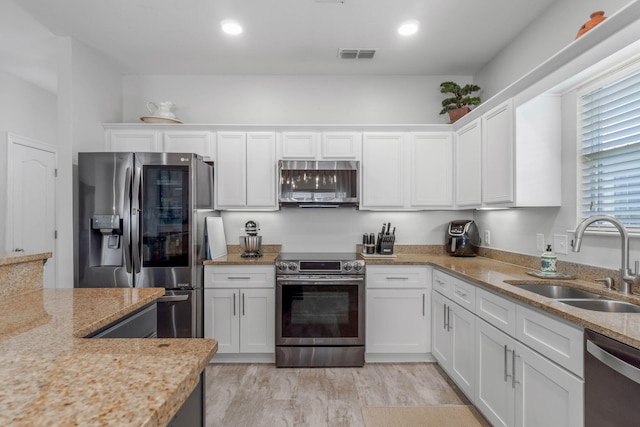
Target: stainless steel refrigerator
141,219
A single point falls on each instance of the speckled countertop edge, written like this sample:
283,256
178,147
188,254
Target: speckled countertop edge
7,258
52,376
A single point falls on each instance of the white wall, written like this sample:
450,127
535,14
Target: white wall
89,94
556,28
26,110
339,230
291,99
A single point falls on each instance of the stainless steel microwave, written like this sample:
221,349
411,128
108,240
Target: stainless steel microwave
318,184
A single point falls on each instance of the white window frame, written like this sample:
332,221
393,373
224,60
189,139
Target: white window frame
611,76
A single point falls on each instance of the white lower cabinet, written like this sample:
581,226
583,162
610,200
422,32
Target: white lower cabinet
398,313
239,311
453,335
526,365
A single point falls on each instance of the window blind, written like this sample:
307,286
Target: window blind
609,134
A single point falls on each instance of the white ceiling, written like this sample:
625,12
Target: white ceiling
456,37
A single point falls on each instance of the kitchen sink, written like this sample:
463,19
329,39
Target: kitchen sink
558,291
606,305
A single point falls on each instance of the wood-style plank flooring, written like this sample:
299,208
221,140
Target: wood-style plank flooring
263,395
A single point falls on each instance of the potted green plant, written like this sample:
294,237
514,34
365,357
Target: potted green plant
458,104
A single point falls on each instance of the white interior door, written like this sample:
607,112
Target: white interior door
31,223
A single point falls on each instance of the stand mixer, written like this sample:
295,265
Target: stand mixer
251,243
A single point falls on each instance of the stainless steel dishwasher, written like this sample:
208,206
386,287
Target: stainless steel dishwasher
611,382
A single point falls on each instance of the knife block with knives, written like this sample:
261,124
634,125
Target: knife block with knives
386,240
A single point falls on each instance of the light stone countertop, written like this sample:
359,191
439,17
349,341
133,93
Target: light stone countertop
7,258
52,376
500,276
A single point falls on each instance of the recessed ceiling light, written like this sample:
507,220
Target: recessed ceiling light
230,26
408,28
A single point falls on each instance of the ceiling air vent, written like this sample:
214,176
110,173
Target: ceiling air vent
356,53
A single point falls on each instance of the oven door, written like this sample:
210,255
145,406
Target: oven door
320,310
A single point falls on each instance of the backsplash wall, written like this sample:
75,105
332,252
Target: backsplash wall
339,230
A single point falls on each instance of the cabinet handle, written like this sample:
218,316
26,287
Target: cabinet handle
423,299
461,294
397,278
444,320
238,278
506,360
448,318
243,303
513,369
234,304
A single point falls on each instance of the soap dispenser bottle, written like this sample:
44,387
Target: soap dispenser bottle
548,261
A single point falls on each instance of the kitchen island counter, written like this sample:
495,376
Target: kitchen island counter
500,277
52,376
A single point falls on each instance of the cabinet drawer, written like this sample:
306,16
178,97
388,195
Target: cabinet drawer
397,277
497,310
552,338
463,293
239,276
442,282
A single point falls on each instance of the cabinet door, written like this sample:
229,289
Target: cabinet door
546,394
495,396
441,343
431,170
299,145
231,170
397,321
198,142
133,140
498,155
257,320
382,171
468,171
221,318
463,359
341,145
261,170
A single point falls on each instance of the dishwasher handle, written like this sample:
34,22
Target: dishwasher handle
173,298
620,366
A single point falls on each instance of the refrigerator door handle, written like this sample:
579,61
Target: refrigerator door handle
135,220
126,220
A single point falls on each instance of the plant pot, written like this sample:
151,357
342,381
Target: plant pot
596,18
457,113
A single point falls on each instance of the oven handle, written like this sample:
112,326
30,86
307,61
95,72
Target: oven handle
319,279
618,365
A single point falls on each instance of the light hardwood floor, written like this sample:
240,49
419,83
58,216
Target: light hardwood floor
263,395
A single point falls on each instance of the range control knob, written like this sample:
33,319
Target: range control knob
347,266
357,266
281,266
293,266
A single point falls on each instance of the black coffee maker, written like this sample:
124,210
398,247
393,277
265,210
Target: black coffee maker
462,238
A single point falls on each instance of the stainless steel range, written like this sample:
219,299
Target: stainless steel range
320,303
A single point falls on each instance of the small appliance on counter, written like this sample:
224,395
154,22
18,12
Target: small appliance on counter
462,238
251,243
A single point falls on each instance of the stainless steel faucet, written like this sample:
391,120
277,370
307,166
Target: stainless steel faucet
627,279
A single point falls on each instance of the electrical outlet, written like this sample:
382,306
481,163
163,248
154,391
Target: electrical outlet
487,238
540,242
560,243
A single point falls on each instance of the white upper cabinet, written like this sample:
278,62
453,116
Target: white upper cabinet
320,145
431,166
497,155
245,171
407,171
140,140
382,171
521,154
159,140
190,141
468,166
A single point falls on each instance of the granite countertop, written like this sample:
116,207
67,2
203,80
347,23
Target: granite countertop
234,256
501,276
52,376
8,258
